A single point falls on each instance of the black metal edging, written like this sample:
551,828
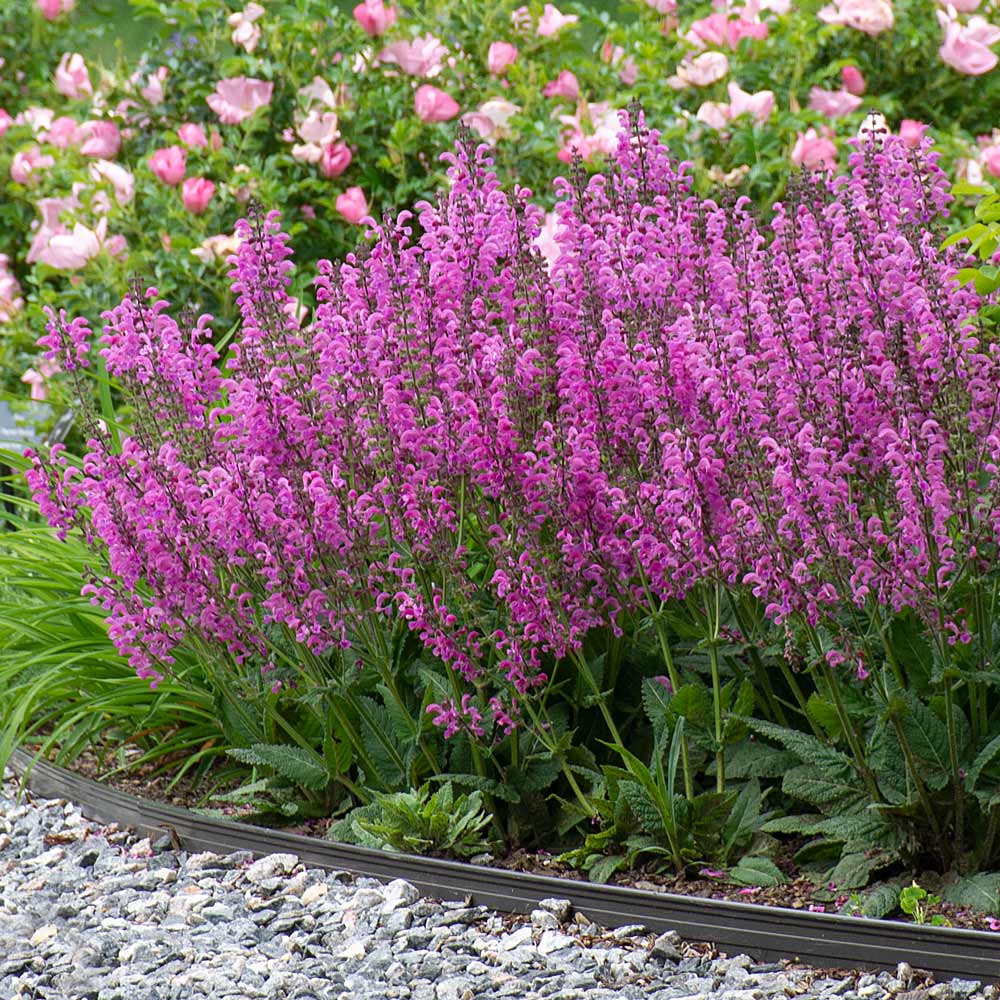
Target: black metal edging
766,933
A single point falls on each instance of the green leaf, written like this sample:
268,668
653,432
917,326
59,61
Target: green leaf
498,789
642,806
854,870
603,869
757,871
881,901
983,758
293,763
980,892
928,738
807,748
824,714
824,788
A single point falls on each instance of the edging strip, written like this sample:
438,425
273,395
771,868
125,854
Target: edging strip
767,933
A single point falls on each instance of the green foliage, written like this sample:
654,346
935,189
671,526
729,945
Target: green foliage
915,901
419,822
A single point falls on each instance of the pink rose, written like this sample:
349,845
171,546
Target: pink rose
966,47
101,139
433,105
196,193
965,6
38,380
352,205
500,56
153,91
833,103
717,29
26,166
421,57
237,98
492,119
335,160
320,127
564,85
5,120
51,9
72,79
912,132
870,16
63,132
854,82
11,301
715,114
375,17
552,21
990,159
759,105
121,180
192,135
169,164
815,151
663,6
69,251
245,34
703,70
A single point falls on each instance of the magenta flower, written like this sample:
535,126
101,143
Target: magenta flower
352,205
196,193
336,158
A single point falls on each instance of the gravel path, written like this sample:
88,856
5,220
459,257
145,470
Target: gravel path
92,913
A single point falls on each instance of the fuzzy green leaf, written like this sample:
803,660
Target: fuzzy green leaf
757,871
980,892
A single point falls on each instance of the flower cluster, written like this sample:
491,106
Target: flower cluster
507,453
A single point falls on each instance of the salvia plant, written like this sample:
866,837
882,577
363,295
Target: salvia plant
763,453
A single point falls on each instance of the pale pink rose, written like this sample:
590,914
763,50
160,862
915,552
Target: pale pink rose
420,57
192,135
912,132
238,97
715,114
101,139
39,119
51,225
353,205
38,380
196,193
63,133
71,250
121,180
375,17
335,159
663,6
5,120
492,119
169,164
72,79
759,105
545,241
564,85
219,247
703,70
51,9
11,301
966,47
153,91
990,159
552,21
319,92
521,19
433,105
27,165
833,103
604,125
870,16
815,151
319,127
307,152
854,82
963,6
246,34
968,170
629,72
500,56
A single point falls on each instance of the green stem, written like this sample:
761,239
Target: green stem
713,609
675,681
763,684
955,775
